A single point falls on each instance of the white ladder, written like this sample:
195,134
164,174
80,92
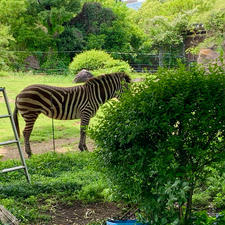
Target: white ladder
24,166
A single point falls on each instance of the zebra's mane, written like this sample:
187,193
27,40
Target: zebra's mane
121,75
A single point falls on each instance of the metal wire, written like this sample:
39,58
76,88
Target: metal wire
53,128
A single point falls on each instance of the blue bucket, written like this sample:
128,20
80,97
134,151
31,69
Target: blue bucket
123,222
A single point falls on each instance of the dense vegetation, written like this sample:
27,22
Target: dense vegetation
55,31
165,22
57,179
164,135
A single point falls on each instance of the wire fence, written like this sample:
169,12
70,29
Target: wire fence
58,61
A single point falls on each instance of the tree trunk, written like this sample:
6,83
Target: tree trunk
189,205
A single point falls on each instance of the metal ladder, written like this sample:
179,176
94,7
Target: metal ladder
24,166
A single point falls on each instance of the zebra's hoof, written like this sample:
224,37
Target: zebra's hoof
29,155
83,148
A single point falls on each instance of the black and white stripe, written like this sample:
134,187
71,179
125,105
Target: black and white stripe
67,103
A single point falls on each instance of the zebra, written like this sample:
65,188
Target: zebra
67,103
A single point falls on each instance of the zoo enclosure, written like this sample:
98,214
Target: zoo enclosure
55,62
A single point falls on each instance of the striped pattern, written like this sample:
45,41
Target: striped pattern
67,103
54,102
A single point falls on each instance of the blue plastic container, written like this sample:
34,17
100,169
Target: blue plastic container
123,222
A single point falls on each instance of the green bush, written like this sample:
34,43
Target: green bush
211,192
156,141
202,218
93,192
201,199
97,59
54,63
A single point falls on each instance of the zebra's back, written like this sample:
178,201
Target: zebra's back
63,103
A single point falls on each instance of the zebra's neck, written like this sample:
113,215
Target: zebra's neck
103,90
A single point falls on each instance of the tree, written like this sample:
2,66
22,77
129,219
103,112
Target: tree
5,39
10,12
107,28
92,17
43,22
52,14
70,40
10,17
165,22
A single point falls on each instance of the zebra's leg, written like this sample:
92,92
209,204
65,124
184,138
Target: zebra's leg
83,128
30,120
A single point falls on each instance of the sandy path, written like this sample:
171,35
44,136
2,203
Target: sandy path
62,145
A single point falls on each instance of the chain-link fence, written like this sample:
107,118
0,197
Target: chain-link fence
58,62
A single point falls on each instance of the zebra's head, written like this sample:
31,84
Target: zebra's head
109,85
124,83
125,78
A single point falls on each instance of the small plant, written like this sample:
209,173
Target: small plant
93,192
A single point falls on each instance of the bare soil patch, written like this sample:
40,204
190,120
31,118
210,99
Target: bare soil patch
62,145
82,214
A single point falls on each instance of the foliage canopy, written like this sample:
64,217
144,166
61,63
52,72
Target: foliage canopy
165,22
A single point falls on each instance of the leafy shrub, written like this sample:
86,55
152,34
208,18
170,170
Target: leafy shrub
216,22
93,192
155,143
202,218
54,63
6,56
97,59
201,199
211,191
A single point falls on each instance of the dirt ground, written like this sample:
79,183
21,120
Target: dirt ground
61,145
79,213
82,214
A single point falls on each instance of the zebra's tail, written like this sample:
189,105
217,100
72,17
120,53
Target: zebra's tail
15,117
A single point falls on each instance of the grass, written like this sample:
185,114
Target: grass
56,178
14,83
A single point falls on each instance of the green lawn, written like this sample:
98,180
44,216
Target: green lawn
14,83
56,179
